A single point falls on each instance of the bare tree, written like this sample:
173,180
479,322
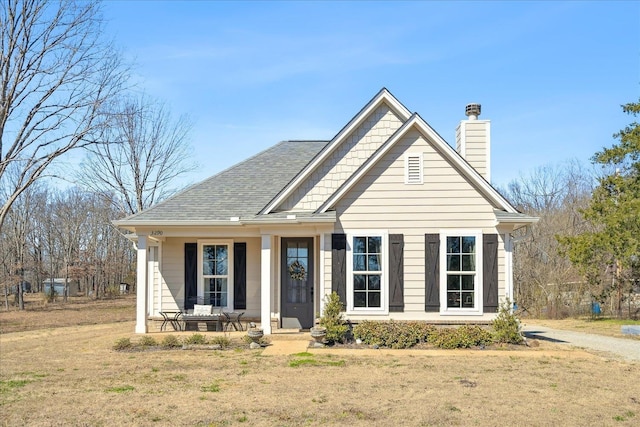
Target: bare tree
56,75
144,150
544,279
19,225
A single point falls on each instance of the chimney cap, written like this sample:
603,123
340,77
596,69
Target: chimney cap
473,111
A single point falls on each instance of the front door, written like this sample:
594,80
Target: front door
297,282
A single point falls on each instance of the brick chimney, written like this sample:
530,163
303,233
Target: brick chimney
473,141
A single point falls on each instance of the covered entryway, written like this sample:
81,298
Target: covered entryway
297,282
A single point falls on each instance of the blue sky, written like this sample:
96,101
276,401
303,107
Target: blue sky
550,76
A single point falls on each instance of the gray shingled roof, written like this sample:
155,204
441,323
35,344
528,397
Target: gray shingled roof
240,191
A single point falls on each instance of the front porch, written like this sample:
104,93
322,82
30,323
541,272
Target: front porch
275,280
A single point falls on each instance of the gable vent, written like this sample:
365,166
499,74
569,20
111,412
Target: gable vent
413,169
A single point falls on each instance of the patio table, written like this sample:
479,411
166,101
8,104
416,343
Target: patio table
172,318
233,319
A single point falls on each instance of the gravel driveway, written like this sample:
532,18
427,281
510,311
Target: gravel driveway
628,349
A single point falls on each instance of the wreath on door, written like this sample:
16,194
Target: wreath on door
297,271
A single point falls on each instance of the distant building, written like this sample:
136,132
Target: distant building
58,286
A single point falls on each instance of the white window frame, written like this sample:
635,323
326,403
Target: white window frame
229,244
478,288
384,275
407,175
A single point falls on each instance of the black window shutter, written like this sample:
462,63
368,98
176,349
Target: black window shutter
396,273
240,276
490,272
432,272
190,274
339,265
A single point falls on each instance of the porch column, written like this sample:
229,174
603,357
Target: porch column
321,289
265,284
508,268
141,287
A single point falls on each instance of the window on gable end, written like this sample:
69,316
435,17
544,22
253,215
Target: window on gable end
413,169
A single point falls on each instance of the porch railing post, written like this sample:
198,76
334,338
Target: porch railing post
142,302
265,284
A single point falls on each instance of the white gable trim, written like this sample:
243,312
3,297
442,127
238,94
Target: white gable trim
384,96
441,146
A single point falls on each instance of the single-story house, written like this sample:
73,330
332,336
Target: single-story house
387,214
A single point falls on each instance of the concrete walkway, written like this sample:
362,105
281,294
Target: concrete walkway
628,349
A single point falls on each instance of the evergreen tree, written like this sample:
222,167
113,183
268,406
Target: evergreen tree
609,256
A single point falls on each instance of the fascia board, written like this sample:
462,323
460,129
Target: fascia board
440,145
465,167
132,225
383,96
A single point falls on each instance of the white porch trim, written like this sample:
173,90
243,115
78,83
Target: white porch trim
141,286
508,267
265,283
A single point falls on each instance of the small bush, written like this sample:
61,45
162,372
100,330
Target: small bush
147,341
221,340
171,341
463,337
506,327
123,344
332,319
392,334
195,339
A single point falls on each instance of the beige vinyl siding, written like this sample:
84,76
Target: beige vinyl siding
253,276
472,142
172,274
346,159
154,261
445,201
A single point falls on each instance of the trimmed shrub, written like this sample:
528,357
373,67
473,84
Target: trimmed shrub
506,327
463,337
332,319
393,334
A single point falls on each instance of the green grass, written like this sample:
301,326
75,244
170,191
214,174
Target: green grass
306,359
121,389
617,321
212,388
9,385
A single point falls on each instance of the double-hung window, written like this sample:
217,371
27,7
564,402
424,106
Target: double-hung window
215,274
367,289
461,258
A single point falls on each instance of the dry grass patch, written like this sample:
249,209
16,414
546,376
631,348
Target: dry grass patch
71,376
52,374
601,326
39,314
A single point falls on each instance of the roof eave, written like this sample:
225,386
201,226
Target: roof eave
263,219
